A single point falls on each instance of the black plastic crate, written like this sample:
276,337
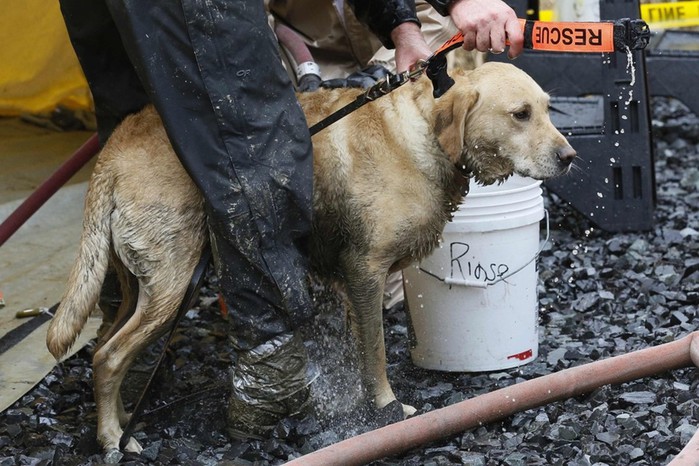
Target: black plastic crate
673,66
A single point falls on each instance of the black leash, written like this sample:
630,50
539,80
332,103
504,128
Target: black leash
435,67
187,302
381,88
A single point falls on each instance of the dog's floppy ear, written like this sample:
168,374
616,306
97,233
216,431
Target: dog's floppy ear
451,111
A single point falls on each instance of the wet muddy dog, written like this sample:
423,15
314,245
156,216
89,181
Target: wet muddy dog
387,178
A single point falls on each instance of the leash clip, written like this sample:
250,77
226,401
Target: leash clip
393,81
386,85
416,69
631,33
437,72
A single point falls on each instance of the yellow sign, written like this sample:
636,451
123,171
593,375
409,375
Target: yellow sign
671,15
664,15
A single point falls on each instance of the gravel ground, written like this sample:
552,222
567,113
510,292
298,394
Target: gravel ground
601,295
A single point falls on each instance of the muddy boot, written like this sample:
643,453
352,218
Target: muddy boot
269,383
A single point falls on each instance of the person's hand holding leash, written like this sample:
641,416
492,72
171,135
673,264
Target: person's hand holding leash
487,25
410,46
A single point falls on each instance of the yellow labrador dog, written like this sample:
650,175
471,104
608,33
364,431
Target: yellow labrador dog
387,179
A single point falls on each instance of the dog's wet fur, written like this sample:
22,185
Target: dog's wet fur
387,178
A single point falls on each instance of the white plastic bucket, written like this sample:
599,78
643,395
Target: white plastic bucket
472,303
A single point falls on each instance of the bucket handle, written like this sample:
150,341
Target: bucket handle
481,284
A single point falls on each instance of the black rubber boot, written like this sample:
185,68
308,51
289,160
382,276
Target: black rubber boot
269,384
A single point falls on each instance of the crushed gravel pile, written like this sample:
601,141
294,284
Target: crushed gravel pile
601,294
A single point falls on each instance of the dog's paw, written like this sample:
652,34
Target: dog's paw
388,402
112,454
133,446
408,410
389,414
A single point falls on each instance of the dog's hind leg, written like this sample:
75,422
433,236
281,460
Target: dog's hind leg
118,298
125,296
365,293
113,359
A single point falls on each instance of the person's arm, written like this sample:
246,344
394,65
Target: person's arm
485,24
382,17
410,45
396,25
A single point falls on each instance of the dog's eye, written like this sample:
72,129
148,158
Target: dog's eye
522,115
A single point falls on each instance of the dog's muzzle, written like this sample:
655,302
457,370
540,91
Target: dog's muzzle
565,156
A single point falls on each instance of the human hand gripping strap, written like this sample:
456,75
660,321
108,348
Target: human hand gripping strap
555,36
575,36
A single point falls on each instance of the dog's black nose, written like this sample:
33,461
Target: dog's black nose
566,155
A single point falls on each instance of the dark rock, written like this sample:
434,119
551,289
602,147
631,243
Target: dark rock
516,459
609,438
467,458
686,432
152,451
637,398
113,456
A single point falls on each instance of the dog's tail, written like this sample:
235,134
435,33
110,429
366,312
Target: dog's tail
86,277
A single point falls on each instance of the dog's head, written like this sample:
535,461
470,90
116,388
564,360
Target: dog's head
495,122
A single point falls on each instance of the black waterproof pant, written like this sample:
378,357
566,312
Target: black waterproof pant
212,70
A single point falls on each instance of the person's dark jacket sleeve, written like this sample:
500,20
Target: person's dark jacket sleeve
442,6
382,16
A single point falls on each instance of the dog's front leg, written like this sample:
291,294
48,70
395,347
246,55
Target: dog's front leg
365,293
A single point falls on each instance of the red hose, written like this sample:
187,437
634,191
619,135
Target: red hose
293,42
48,188
411,433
